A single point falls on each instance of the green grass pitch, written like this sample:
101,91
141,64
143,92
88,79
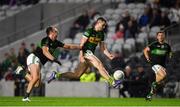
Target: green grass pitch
59,101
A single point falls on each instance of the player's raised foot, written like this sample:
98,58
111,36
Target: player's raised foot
18,70
148,97
26,99
52,77
116,83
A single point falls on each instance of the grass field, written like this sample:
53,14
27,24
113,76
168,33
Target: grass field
58,101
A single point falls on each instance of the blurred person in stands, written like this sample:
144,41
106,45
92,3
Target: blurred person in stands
23,47
13,56
6,63
22,55
80,24
124,21
119,33
117,62
144,19
156,54
140,88
165,21
83,20
39,57
90,39
131,30
33,47
156,18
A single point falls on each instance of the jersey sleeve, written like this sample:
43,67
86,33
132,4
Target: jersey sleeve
151,45
103,36
44,42
60,44
87,33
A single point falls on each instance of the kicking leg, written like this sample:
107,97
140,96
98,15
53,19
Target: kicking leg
98,64
81,68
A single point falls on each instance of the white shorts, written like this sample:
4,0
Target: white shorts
88,53
32,59
157,68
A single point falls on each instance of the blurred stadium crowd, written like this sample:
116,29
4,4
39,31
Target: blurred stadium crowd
132,24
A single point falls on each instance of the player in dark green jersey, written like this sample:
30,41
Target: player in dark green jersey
91,38
156,53
39,57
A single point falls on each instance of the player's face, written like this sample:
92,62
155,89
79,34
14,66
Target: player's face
161,37
100,25
54,34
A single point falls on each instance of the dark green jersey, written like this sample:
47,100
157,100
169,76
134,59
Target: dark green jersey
94,38
159,53
52,45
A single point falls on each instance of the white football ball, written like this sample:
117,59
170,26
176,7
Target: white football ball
118,75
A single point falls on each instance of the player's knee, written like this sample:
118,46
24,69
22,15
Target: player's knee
35,79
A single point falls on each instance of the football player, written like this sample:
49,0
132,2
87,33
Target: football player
39,57
156,54
90,39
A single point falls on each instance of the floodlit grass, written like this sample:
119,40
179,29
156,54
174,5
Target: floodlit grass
59,101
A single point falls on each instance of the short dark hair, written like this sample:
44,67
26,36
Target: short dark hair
160,32
102,19
49,29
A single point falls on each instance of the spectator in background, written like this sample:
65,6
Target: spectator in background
118,62
32,47
83,20
164,19
22,55
13,56
156,18
140,83
79,24
144,19
129,73
6,63
174,14
8,74
23,46
131,30
149,10
129,76
125,19
119,33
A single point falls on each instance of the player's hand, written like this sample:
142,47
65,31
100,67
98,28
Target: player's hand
56,61
149,61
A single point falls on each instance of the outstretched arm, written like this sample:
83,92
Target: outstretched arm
103,48
47,53
146,53
49,56
72,46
